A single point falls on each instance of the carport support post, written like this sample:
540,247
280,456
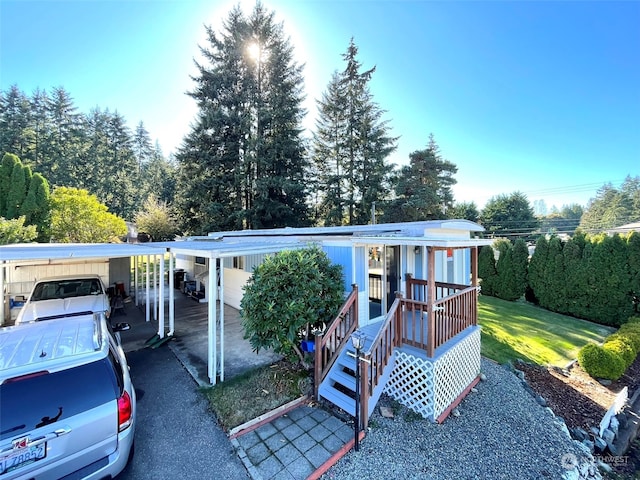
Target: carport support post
221,292
155,292
160,296
135,277
2,319
148,300
171,295
211,311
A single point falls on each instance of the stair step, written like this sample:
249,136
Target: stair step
343,379
345,402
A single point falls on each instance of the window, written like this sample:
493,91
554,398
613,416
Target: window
201,261
238,262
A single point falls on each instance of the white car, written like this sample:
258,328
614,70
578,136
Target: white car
67,404
64,297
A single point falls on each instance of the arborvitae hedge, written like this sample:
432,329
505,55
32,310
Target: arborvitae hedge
487,270
592,277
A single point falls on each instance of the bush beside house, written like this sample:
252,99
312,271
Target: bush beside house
616,354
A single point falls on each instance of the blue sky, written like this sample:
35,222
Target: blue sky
541,97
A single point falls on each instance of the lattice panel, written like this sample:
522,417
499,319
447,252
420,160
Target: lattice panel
455,370
411,383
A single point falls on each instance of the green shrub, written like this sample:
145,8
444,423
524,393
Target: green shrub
621,345
600,362
631,332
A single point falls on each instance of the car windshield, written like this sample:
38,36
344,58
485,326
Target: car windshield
66,288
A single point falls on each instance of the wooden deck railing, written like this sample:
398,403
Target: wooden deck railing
417,289
450,316
329,344
380,351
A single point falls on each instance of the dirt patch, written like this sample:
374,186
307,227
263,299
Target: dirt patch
582,401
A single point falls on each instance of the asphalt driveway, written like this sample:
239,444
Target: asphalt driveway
176,434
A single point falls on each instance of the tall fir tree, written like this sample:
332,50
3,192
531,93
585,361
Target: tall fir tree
243,163
351,146
15,115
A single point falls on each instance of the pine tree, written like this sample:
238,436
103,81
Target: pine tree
242,165
423,188
487,270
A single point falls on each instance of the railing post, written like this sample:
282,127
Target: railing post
354,287
398,333
409,279
317,367
431,293
365,394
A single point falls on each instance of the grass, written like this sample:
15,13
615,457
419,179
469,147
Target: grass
256,392
512,330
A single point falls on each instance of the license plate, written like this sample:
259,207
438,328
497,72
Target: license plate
22,457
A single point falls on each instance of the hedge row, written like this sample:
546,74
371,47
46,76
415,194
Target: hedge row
618,351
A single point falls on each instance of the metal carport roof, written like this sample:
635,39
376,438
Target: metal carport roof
68,251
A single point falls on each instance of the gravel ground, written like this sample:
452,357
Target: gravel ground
501,433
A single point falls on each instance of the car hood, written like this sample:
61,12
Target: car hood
62,306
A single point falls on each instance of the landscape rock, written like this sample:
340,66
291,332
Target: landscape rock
483,377
588,446
604,381
599,444
541,401
579,434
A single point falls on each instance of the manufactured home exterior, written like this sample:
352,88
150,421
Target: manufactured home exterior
411,288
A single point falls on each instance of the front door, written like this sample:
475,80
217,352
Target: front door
392,274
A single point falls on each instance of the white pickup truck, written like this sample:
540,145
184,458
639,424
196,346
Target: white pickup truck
59,297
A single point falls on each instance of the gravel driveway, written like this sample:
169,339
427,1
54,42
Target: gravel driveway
501,433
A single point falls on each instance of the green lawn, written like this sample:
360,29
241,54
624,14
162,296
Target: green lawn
512,330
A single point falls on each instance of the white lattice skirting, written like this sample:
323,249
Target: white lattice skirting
429,385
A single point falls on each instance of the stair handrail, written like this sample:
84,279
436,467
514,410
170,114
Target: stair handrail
330,342
389,336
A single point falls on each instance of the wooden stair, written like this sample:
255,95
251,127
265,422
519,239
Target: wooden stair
339,386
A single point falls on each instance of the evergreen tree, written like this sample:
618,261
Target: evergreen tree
9,161
20,179
520,259
537,284
41,127
14,122
141,146
350,147
464,210
633,246
242,165
487,270
613,207
65,141
329,156
509,216
423,188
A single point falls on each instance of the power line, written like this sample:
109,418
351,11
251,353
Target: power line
584,187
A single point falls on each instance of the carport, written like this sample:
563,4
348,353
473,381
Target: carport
44,254
215,250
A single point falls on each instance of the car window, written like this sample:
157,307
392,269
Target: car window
38,400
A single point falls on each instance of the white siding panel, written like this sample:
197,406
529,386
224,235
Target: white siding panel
234,280
20,279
